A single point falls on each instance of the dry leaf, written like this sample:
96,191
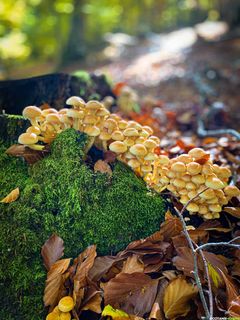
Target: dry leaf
52,250
55,281
134,293
133,264
176,298
31,156
235,212
232,292
103,167
94,304
84,263
216,278
101,266
234,308
171,228
11,197
155,312
109,311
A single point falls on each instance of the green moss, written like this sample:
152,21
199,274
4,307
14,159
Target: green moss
62,194
11,126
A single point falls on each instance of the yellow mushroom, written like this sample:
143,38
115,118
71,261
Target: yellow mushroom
66,304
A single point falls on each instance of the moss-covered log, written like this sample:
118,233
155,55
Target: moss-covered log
62,194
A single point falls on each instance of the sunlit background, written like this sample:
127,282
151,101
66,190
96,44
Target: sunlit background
42,36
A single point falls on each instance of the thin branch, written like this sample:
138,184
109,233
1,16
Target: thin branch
213,244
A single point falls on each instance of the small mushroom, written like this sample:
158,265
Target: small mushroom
194,168
138,150
66,304
197,153
32,113
118,147
214,183
30,140
77,102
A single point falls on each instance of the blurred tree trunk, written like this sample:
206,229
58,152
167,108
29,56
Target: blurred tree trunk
75,48
230,11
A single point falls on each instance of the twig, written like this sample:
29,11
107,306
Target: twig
213,244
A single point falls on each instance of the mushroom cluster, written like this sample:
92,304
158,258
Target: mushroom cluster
188,175
185,176
62,310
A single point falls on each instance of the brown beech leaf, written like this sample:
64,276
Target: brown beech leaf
103,167
55,281
134,293
101,266
234,308
184,261
197,236
170,228
217,262
52,250
93,303
231,290
11,197
177,297
155,312
234,211
133,264
84,263
31,156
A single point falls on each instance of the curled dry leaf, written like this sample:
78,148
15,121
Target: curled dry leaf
234,308
31,156
171,228
103,167
11,197
133,264
134,293
176,298
233,211
52,250
55,281
232,292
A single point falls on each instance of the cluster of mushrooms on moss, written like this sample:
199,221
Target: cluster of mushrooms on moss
135,145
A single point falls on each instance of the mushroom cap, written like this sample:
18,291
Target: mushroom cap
193,207
186,177
197,153
65,316
184,199
150,157
164,180
140,140
45,112
129,141
148,129
144,134
150,144
212,201
146,168
208,194
90,119
183,192
214,183
194,168
224,172
134,124
31,112
198,179
92,131
102,112
66,304
72,113
215,207
179,183
33,129
53,117
118,135
133,163
94,105
190,186
128,155
162,159
118,147
178,167
156,139
52,316
115,117
232,191
122,124
130,132
184,158
65,119
104,136
207,169
75,101
28,138
63,111
192,194
138,150
203,209
110,124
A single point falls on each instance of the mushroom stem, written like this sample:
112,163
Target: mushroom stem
90,144
37,147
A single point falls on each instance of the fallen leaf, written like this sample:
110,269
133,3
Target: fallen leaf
103,167
134,293
133,264
84,263
203,159
234,308
155,312
55,281
198,236
31,156
109,311
94,303
177,297
101,266
170,228
231,289
214,275
11,197
234,211
52,250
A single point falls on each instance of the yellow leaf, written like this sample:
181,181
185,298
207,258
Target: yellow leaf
214,275
176,298
114,313
11,197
